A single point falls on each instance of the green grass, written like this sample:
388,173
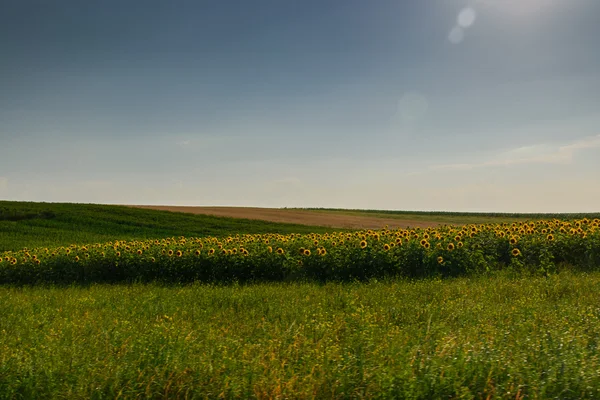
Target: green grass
468,338
30,225
455,218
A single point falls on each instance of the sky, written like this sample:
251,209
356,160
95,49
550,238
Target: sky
450,105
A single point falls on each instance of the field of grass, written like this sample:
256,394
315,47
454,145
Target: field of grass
502,337
172,305
54,224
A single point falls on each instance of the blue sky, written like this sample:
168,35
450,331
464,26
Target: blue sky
465,105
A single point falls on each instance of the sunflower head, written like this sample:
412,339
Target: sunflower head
306,252
440,260
280,250
450,246
513,240
516,252
386,247
550,237
363,243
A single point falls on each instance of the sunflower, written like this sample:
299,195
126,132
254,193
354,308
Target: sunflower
306,252
197,252
269,249
450,246
323,251
139,252
211,251
398,241
301,251
550,237
280,250
427,245
76,258
516,252
423,242
440,260
363,243
459,244
513,240
386,247
170,253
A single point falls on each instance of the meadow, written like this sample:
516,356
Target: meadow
116,302
493,337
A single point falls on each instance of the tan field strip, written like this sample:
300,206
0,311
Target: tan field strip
302,217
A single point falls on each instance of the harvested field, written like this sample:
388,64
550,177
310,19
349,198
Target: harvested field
303,217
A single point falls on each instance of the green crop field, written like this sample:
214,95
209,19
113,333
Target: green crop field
114,302
54,224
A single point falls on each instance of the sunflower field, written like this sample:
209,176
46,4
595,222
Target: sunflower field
539,247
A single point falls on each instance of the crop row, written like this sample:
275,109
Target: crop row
539,246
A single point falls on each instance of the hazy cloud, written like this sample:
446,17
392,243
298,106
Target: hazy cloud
536,154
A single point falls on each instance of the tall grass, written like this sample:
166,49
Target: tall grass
475,338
